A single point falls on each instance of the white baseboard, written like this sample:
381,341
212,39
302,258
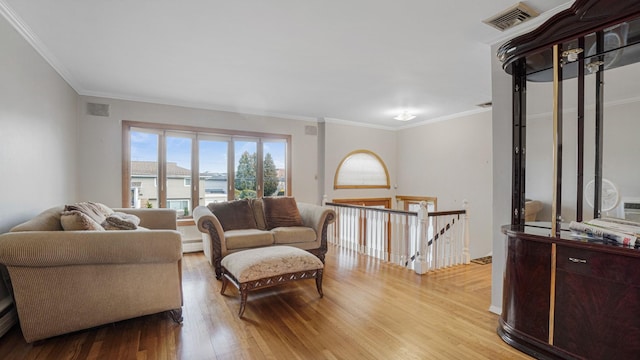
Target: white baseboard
194,245
495,309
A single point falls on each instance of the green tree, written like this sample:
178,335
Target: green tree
245,178
270,176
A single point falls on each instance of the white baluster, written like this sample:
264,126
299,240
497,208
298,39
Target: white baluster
423,216
466,256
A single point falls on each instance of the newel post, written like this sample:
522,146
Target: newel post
421,266
466,256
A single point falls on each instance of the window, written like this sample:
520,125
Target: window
181,206
361,169
274,171
224,162
214,163
143,166
244,183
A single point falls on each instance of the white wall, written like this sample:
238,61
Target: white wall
501,125
341,139
38,134
451,160
101,143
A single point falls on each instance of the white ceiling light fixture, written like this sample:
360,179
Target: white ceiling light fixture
405,116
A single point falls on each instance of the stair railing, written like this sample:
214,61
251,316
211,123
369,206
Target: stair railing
420,241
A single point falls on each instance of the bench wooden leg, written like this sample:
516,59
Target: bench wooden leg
243,301
225,282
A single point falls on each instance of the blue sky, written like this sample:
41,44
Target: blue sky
213,154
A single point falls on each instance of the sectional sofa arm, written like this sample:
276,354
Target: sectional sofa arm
153,218
316,216
207,222
62,248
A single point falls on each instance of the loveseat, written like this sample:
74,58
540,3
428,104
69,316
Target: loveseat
237,225
531,210
64,281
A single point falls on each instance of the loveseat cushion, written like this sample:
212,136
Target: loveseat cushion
293,234
281,212
247,238
234,215
121,221
77,221
258,212
84,216
96,211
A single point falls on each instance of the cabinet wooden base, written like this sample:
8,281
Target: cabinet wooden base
529,345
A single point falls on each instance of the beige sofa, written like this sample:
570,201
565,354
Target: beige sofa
64,281
245,224
531,210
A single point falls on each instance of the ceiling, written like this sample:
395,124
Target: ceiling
361,61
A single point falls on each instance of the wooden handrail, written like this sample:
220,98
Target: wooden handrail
400,212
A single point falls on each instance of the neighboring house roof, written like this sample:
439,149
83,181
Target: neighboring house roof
151,168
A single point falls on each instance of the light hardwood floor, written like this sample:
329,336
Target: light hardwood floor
370,310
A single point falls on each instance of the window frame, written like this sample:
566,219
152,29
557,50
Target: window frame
127,127
371,154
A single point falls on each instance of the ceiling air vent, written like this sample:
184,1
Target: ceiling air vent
511,17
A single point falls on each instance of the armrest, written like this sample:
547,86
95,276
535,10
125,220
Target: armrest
316,216
210,225
154,218
60,248
206,221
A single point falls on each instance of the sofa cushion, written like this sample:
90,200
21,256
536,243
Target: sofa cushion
293,234
247,238
48,220
234,215
281,212
258,212
121,221
96,211
75,220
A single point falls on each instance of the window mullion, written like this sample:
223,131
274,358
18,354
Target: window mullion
195,172
259,169
231,174
162,170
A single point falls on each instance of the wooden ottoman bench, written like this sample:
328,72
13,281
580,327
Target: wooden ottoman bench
259,268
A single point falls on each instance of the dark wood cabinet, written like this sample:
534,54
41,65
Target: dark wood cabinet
566,296
570,299
527,282
597,304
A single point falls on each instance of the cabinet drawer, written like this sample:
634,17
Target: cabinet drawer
618,268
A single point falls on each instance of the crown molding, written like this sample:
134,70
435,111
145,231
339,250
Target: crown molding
25,31
444,118
359,124
196,105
